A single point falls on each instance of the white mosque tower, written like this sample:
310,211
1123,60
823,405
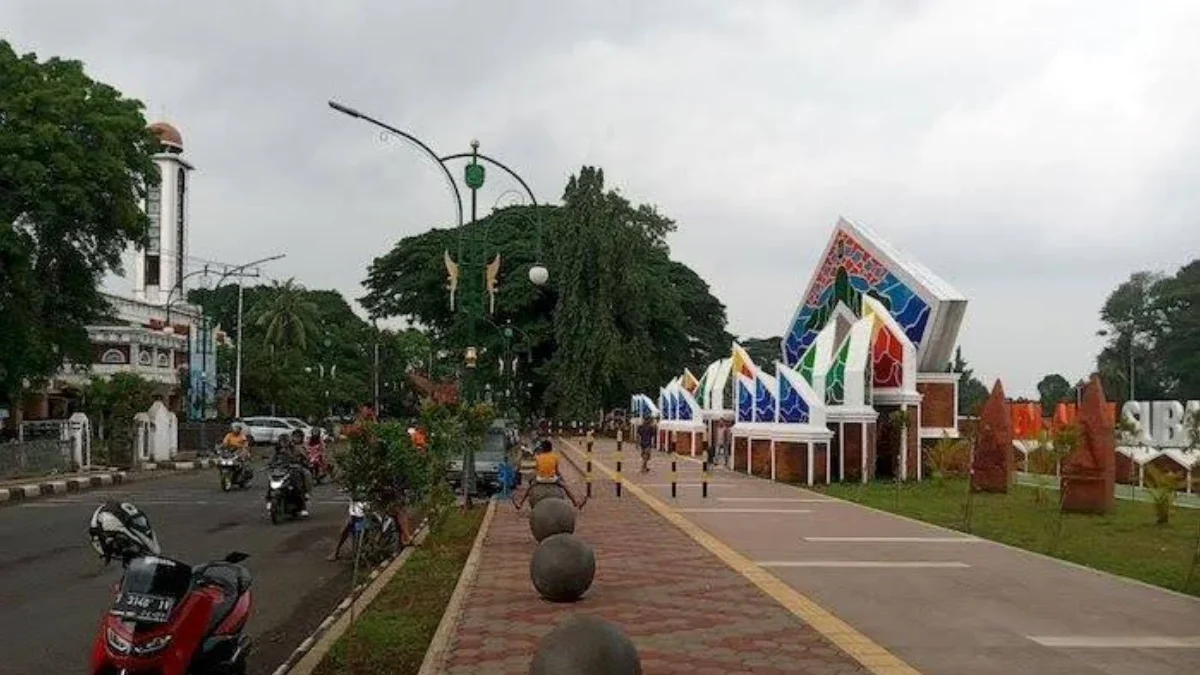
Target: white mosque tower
159,267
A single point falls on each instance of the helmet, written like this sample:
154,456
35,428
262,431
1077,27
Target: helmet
236,426
122,530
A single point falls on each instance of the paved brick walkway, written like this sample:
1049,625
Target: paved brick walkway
944,602
685,609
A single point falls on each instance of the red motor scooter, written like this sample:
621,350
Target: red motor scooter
168,618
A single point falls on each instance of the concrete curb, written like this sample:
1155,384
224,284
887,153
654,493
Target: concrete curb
435,655
38,488
305,658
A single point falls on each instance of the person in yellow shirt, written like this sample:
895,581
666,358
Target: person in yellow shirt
237,441
547,471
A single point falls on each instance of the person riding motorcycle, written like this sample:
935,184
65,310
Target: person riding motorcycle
314,451
237,441
288,455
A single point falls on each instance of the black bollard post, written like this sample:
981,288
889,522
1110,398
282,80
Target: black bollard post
619,456
674,492
589,468
704,480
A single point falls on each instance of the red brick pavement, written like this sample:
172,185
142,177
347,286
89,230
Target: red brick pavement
685,610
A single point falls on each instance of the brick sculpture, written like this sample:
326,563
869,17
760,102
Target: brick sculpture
992,462
1089,472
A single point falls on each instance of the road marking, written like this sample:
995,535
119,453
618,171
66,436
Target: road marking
776,500
874,658
667,485
1117,642
743,510
896,540
863,564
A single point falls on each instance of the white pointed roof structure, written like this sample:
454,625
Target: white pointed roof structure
858,262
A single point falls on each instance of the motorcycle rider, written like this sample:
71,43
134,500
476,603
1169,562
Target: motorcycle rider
287,454
237,441
314,449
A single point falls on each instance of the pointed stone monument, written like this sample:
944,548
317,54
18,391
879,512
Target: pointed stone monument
1089,473
992,461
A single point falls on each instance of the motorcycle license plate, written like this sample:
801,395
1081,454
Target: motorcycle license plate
143,608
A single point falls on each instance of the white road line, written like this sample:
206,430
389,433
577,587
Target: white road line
1117,642
777,500
744,511
691,485
895,540
863,564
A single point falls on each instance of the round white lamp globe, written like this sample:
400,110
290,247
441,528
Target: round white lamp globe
538,275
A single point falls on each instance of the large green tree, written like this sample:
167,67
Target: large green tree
1052,390
332,370
972,392
1152,330
763,351
287,316
75,162
1179,348
1131,361
618,316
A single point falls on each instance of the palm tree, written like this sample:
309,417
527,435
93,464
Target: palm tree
287,314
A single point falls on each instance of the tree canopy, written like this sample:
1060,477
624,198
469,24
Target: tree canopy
1152,329
618,315
331,370
971,391
1052,390
763,351
77,159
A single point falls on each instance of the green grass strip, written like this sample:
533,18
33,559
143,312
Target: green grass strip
394,633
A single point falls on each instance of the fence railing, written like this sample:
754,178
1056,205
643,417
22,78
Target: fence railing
200,436
20,459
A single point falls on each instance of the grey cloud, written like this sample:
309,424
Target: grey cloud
1033,153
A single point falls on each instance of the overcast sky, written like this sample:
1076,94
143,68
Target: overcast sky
1031,153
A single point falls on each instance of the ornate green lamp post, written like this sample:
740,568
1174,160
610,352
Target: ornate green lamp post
478,278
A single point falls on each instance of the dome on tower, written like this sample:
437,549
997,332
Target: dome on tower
168,135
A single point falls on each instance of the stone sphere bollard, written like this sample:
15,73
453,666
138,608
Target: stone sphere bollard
586,645
552,516
562,568
540,491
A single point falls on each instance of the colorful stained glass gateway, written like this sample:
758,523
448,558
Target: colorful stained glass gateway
872,334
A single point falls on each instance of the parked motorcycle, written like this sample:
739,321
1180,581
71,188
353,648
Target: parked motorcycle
234,471
167,617
376,537
285,494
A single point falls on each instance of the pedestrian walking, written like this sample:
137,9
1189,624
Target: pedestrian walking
646,433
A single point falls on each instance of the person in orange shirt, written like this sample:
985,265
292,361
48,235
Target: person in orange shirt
547,471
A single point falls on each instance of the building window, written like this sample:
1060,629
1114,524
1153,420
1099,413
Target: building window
179,228
164,360
152,270
154,213
145,358
113,356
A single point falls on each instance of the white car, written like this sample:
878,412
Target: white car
266,429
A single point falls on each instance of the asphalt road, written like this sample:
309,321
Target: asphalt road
53,589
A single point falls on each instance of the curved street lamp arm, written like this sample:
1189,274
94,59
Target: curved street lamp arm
351,112
515,176
234,270
203,270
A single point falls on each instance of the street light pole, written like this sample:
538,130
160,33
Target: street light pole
240,272
474,177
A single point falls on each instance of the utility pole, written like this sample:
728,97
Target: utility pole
240,272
